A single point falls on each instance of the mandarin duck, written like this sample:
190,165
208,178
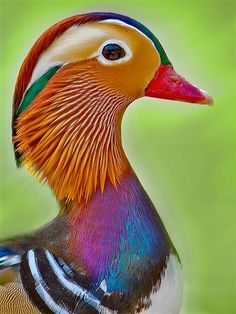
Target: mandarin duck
107,251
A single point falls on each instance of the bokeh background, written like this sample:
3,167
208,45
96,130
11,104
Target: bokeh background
184,154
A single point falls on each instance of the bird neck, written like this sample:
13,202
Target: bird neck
115,232
71,135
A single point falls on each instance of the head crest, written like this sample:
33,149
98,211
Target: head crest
46,39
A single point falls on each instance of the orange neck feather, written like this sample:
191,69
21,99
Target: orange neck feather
70,134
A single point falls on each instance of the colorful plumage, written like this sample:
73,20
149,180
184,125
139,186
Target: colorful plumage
107,251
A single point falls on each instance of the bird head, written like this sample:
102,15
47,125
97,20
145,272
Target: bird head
72,90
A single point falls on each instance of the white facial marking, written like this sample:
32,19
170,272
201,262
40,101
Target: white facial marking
103,60
118,22
76,37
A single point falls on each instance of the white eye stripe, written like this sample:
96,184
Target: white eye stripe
74,38
128,53
122,23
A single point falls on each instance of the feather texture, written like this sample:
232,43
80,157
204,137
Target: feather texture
108,250
56,288
15,301
70,135
46,39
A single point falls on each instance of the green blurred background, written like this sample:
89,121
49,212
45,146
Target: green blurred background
183,153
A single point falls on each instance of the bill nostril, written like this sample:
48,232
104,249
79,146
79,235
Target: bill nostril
175,80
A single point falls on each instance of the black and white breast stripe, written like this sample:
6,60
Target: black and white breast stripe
8,258
54,287
9,261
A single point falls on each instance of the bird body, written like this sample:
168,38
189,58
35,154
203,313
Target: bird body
107,251
121,240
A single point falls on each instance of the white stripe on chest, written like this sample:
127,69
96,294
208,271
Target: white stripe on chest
168,296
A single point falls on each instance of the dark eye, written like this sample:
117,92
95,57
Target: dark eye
113,52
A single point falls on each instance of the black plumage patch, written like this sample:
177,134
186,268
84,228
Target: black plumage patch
54,287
